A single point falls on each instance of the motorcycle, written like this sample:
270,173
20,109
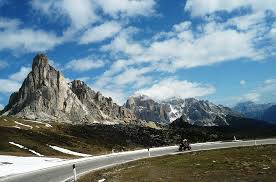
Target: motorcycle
183,147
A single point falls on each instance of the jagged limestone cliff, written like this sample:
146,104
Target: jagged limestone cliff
45,95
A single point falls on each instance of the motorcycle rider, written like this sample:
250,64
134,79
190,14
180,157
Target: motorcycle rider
184,145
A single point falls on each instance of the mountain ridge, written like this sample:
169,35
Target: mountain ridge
45,95
198,112
257,111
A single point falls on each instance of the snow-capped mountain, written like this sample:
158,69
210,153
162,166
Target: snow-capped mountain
193,111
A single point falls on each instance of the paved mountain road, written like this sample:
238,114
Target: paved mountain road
64,172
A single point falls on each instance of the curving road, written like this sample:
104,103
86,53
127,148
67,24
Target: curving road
64,172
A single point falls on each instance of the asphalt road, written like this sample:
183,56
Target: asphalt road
65,172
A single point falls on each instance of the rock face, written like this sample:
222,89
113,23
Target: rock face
192,111
147,109
98,105
45,95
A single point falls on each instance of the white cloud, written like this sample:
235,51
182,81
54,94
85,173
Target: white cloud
264,92
80,14
21,40
3,64
255,97
172,87
132,76
8,86
101,32
107,77
270,81
180,48
21,75
201,8
84,64
203,49
9,23
124,43
14,82
28,40
84,79
248,21
242,82
130,8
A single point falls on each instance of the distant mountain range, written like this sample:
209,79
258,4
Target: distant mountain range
266,112
193,111
45,95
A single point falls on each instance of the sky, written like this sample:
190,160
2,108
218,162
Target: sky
217,50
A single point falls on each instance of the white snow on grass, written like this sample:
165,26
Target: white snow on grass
24,125
66,151
17,127
101,180
48,125
22,147
14,165
39,122
5,120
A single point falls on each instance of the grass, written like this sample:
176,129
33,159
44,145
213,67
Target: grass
87,139
256,163
102,139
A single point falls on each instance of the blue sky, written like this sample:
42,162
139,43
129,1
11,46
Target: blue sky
223,51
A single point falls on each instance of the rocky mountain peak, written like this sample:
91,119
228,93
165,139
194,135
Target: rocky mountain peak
40,60
45,95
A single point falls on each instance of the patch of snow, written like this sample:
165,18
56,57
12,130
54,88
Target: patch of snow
22,147
5,120
17,127
18,145
36,153
15,165
48,125
34,121
101,180
39,122
109,123
174,113
24,125
66,151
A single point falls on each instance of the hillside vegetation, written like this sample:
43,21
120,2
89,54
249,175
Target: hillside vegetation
102,139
